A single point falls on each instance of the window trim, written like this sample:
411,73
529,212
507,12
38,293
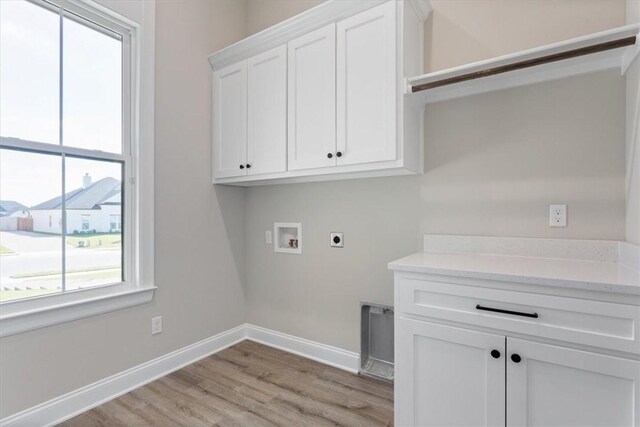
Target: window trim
33,313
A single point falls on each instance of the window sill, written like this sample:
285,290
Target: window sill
27,315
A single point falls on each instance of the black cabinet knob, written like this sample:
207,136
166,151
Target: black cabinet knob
495,354
339,154
516,358
329,155
248,165
241,166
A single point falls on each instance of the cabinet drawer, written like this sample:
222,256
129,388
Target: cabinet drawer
594,323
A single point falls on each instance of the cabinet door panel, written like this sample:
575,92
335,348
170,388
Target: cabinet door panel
446,376
230,120
312,99
366,86
267,112
556,386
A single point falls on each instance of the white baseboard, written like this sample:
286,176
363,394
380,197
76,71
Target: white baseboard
78,401
329,355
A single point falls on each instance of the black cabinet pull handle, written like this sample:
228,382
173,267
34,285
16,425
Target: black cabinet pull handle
499,310
329,155
241,166
516,358
495,354
248,165
339,154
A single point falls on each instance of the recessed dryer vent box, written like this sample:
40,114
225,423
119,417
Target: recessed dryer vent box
376,341
287,237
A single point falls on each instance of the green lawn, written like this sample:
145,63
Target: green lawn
96,241
11,295
48,274
5,251
99,276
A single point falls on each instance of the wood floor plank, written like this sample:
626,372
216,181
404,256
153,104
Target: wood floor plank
249,384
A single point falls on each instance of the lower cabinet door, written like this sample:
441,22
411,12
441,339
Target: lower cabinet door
556,386
446,376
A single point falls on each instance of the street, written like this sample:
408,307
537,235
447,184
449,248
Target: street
41,256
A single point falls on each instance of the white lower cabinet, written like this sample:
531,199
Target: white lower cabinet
447,376
557,386
472,355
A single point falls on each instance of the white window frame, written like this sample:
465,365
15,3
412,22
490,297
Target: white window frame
137,25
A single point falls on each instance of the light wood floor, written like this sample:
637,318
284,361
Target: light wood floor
250,385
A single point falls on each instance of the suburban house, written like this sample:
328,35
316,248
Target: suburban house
10,214
9,208
96,207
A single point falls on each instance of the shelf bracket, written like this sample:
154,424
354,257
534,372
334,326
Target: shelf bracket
629,56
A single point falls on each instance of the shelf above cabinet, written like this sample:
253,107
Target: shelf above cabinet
606,50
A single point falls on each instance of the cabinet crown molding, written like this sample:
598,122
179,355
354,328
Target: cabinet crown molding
325,13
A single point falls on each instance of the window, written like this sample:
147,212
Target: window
114,223
62,127
75,120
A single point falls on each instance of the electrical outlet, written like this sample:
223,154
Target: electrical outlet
267,237
156,325
336,240
557,215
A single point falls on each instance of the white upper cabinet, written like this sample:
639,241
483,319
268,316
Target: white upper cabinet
324,96
230,120
312,100
267,112
366,82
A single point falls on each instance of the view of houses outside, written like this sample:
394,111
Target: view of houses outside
31,237
56,90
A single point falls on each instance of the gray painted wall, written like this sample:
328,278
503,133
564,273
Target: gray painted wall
199,246
494,163
476,155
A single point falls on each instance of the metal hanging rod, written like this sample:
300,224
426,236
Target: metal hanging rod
587,50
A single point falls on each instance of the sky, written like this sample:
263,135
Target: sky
30,100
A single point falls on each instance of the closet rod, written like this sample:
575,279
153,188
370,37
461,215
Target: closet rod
601,47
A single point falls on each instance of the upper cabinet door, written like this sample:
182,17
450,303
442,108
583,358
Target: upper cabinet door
230,120
267,112
366,86
448,376
564,387
312,100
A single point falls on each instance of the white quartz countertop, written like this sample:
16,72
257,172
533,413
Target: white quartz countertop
557,272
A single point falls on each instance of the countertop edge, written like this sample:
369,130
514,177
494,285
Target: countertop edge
524,279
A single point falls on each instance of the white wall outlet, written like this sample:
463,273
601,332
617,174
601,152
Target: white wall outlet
336,240
557,215
156,325
268,237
